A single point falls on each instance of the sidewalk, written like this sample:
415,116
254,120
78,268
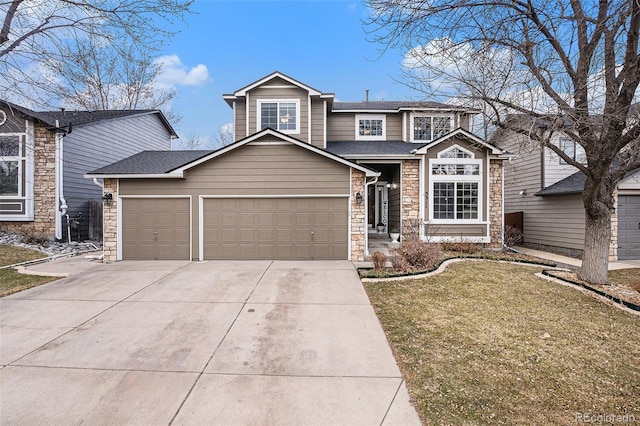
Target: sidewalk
558,258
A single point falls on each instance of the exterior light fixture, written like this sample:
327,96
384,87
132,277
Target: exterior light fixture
358,198
107,199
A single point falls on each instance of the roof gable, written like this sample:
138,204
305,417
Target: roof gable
173,164
266,136
462,134
279,78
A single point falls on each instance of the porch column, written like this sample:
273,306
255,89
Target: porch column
110,222
496,201
410,204
358,225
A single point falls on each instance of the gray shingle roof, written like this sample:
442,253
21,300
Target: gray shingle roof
573,184
372,147
151,162
391,105
78,118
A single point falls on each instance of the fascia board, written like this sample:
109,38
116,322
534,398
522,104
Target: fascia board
171,175
468,135
244,90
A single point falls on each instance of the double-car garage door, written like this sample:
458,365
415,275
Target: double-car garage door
298,228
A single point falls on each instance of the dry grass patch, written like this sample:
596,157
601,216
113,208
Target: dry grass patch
490,343
13,282
626,277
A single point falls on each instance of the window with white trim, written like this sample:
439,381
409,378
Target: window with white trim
573,150
426,128
282,115
456,185
371,126
12,161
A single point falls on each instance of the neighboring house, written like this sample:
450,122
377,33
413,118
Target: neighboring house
548,192
308,177
44,155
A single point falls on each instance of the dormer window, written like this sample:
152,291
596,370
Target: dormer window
427,128
281,115
371,127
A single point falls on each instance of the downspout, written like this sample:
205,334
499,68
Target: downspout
60,202
366,214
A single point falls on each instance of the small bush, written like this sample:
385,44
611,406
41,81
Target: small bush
512,236
417,255
400,264
379,260
461,247
33,237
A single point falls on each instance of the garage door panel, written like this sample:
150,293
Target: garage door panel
276,228
628,227
156,228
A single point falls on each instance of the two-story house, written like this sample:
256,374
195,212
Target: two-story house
44,155
547,192
308,177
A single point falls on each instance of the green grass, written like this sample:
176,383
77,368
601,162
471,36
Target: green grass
490,343
11,281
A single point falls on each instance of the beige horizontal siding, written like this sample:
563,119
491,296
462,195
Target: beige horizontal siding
341,127
240,119
254,170
456,231
552,220
394,127
317,122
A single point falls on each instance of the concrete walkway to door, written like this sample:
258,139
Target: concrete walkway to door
229,343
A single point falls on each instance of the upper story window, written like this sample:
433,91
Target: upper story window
281,115
427,128
12,159
371,127
573,150
455,186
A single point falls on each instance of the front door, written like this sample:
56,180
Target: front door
382,207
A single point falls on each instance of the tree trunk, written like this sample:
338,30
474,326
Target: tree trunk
597,238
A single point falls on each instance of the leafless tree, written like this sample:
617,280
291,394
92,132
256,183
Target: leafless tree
566,66
96,77
38,37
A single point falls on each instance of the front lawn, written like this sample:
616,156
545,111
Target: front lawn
10,280
490,343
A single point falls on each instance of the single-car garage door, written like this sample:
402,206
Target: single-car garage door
275,228
629,227
156,228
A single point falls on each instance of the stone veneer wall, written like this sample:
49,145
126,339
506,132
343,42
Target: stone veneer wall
495,203
110,222
410,203
44,188
358,226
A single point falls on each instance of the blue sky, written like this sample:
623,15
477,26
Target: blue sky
319,42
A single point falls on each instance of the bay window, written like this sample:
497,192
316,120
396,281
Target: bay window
456,186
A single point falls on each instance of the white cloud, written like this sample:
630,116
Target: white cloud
175,73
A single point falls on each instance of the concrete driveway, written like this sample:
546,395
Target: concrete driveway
227,343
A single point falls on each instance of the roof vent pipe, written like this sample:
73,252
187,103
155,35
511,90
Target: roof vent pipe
366,97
